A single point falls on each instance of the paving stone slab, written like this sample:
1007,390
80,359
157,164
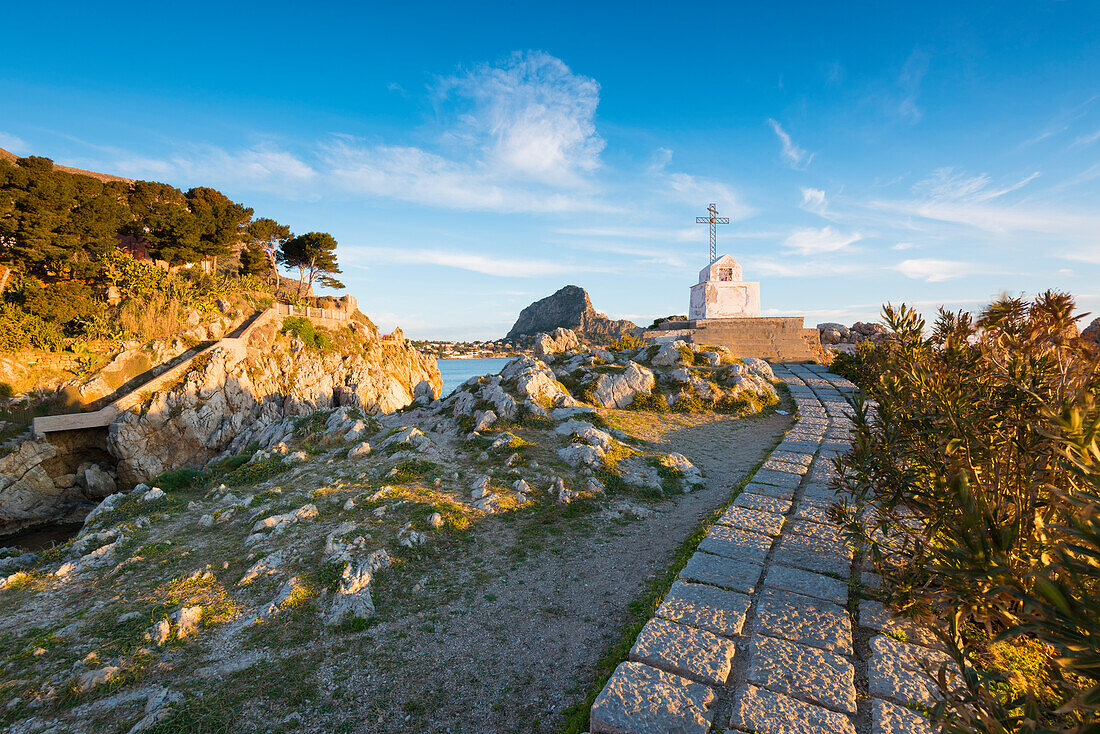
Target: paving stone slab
776,478
766,712
793,457
807,583
758,521
752,501
814,554
708,607
693,653
823,502
773,464
798,446
739,545
889,718
803,672
639,699
873,614
870,580
735,575
895,670
811,513
813,529
804,620
770,490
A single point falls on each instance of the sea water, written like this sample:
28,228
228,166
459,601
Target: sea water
457,371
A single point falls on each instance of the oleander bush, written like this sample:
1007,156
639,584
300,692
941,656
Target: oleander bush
974,487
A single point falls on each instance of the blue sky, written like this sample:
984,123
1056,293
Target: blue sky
473,157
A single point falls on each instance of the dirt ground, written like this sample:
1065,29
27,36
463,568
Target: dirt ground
501,630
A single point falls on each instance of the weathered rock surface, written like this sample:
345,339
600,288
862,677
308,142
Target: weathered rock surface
223,404
559,340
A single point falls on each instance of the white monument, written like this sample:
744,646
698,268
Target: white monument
721,294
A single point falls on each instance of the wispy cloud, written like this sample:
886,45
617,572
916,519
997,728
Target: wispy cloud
813,241
474,262
531,116
1084,141
794,156
263,167
813,200
14,144
1062,121
908,82
936,271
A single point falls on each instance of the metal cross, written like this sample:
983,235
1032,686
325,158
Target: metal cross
713,220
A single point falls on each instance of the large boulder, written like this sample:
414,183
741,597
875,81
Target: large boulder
536,382
618,390
560,340
672,354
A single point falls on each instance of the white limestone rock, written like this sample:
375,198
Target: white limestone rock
618,390
352,598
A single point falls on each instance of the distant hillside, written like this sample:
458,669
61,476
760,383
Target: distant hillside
569,308
12,158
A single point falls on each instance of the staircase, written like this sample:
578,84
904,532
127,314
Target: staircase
138,390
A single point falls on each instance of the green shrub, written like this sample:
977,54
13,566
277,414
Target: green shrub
975,491
863,367
411,469
257,471
303,329
626,342
20,330
179,479
653,402
688,401
6,391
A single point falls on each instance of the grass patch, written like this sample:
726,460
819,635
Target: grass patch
412,469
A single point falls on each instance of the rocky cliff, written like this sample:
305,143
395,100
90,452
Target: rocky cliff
569,308
223,402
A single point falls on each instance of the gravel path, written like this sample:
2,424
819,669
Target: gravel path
759,633
507,626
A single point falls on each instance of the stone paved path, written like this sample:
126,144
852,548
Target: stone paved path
759,633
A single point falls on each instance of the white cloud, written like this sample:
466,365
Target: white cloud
795,156
813,200
416,175
936,271
698,191
789,268
14,144
946,185
486,264
1086,140
903,246
260,168
532,117
812,241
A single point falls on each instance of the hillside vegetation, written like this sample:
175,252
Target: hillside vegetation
83,258
975,488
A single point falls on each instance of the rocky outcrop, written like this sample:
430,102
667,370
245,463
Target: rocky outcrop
58,479
1091,333
839,337
225,403
569,308
559,340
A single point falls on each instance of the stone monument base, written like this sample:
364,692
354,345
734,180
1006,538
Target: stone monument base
774,338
